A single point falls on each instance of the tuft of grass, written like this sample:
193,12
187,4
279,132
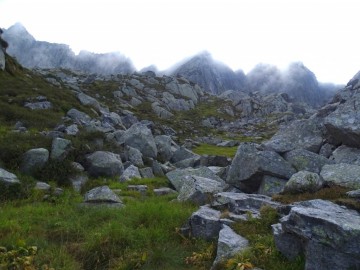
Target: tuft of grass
262,252
208,149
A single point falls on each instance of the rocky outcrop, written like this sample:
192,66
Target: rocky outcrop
251,164
327,234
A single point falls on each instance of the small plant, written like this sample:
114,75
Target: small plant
201,259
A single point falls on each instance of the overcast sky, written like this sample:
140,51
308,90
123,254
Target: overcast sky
323,34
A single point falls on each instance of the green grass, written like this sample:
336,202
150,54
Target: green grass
208,149
141,235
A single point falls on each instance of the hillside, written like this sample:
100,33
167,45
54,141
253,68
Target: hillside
137,171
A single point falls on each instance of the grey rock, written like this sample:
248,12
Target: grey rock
165,147
160,111
242,203
135,156
139,188
88,101
113,119
157,169
344,154
251,164
78,181
178,177
130,173
189,162
102,163
205,223
219,171
2,59
41,105
306,134
42,186
343,125
33,160
8,178
229,243
326,150
345,175
146,172
271,185
78,117
326,233
228,143
304,160
184,90
72,130
135,102
101,194
354,193
60,148
181,154
141,138
128,120
304,181
199,190
163,191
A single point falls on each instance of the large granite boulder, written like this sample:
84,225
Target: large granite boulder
306,134
345,154
182,153
165,147
199,190
33,160
102,196
205,223
102,163
251,163
343,174
130,173
88,101
79,117
60,148
271,185
140,137
343,125
8,178
229,243
179,176
303,181
134,156
326,233
304,160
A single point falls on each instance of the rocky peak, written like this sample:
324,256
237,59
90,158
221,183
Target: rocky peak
213,76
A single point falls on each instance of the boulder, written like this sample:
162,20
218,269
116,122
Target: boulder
140,137
88,101
102,194
2,59
40,105
102,163
189,162
139,188
327,234
326,150
343,174
165,147
304,160
343,125
42,186
178,177
163,191
134,156
251,164
306,134
8,178
160,111
229,244
241,203
130,173
181,154
354,194
78,117
271,185
304,181
33,160
146,172
60,148
199,190
205,223
345,154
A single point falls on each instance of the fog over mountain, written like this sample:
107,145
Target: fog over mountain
32,53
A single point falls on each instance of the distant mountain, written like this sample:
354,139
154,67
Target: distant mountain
32,53
297,81
213,76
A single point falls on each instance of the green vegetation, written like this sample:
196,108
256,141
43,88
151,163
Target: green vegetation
142,235
208,149
262,252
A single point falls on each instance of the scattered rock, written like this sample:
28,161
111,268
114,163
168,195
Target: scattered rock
205,223
60,148
33,160
271,185
345,175
102,163
146,172
303,181
163,191
102,196
130,173
344,154
8,178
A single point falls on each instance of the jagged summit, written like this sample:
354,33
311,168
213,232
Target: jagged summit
213,76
